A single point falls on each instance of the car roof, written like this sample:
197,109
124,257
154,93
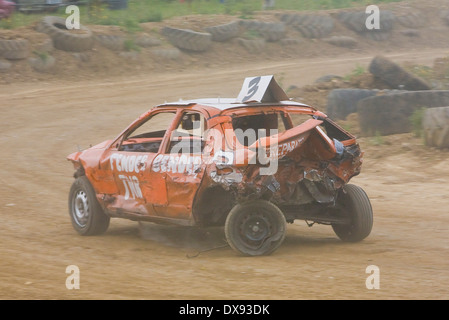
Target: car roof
222,104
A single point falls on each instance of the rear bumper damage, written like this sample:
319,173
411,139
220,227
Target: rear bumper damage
294,182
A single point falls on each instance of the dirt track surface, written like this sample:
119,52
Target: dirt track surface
41,123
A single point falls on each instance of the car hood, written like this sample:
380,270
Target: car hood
102,145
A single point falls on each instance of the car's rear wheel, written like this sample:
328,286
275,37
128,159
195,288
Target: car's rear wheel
86,214
255,228
355,204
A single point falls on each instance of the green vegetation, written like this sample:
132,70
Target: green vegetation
140,11
437,76
416,121
377,139
423,72
358,71
130,45
42,55
251,35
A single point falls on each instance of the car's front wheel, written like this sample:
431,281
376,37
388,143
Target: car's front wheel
85,212
355,205
255,228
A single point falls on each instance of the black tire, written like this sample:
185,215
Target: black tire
313,27
321,24
342,102
224,32
270,31
188,39
66,40
436,127
356,21
390,113
85,212
396,76
111,42
356,205
253,46
255,228
412,20
15,49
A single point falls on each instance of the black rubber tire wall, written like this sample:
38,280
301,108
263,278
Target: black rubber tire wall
66,40
396,76
15,49
390,113
188,39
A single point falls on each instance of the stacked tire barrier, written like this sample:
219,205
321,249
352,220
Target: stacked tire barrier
310,26
111,42
390,113
188,39
395,76
224,32
64,39
412,20
356,21
14,49
270,31
342,102
387,112
252,45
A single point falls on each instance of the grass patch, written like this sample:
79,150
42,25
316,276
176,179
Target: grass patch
356,72
377,139
158,10
416,120
130,45
42,55
251,35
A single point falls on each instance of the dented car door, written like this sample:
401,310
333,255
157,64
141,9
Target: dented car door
140,188
181,165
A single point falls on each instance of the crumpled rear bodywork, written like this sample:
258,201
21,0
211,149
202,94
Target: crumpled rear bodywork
311,167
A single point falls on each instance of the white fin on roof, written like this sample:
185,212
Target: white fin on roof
261,89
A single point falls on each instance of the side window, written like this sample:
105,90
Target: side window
148,136
188,137
247,128
299,118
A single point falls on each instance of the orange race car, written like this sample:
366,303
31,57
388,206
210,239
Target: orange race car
250,164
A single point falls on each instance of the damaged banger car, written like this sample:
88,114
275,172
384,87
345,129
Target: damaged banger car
251,164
